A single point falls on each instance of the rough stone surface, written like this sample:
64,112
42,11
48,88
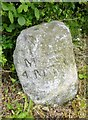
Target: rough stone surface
45,63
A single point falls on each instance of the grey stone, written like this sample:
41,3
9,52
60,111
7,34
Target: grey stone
45,63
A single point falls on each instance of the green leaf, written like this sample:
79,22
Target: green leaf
11,17
3,60
11,7
32,6
12,26
29,3
1,28
5,25
82,76
28,22
22,115
21,20
8,29
5,7
12,68
9,106
83,103
13,80
25,7
1,50
20,8
37,15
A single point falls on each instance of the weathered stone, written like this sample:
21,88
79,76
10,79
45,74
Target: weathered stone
45,63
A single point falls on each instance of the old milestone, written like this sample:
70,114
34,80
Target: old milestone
45,63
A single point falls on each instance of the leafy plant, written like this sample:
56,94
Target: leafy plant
83,73
21,20
3,60
83,76
79,106
24,111
37,15
17,16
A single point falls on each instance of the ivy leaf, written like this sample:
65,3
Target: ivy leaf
37,15
11,17
21,20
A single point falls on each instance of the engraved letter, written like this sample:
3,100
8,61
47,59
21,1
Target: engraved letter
27,63
36,72
25,74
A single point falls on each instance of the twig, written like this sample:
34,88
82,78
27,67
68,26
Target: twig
7,71
70,19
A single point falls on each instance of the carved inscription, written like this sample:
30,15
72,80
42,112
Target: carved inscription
27,63
36,72
25,74
33,59
39,73
31,39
